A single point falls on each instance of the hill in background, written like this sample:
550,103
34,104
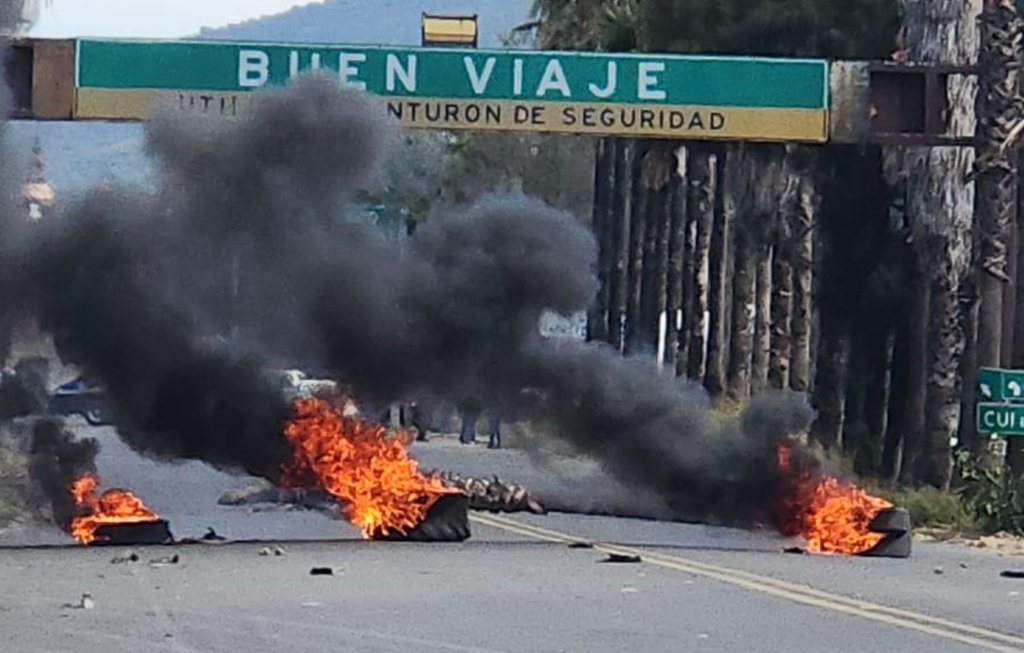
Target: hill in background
385,22
81,155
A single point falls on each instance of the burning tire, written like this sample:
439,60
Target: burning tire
895,524
446,521
156,531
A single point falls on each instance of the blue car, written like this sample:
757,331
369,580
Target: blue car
80,398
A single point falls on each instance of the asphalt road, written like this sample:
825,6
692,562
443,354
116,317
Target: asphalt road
514,587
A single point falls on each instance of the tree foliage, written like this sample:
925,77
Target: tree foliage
820,28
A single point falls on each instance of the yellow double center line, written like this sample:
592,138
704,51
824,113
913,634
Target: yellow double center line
947,629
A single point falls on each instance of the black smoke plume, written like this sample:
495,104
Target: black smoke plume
56,459
243,257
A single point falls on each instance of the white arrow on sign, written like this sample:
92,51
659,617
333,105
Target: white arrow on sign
1014,388
985,390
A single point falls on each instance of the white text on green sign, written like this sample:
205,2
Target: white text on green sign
1004,419
557,91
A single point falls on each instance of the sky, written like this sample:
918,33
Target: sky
148,18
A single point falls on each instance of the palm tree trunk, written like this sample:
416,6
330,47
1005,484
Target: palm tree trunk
762,319
719,282
676,269
896,413
740,335
878,357
619,225
649,309
942,406
801,227
603,226
999,109
1010,290
967,433
637,231
830,382
689,281
702,184
940,208
737,185
663,214
916,342
781,345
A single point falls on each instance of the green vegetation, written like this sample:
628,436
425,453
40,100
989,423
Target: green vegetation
12,476
982,500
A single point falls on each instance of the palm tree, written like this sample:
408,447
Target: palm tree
999,110
939,206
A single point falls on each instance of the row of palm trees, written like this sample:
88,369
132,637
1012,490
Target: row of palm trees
851,273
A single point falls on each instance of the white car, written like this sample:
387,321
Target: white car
298,385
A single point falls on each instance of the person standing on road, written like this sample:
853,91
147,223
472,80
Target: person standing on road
469,413
415,417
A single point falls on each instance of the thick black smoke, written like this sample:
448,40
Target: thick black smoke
137,287
56,459
242,258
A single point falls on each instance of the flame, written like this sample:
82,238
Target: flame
380,487
112,507
832,515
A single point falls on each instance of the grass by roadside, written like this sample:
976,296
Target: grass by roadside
12,482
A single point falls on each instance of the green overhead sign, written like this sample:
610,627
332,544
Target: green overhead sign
999,385
693,97
1000,406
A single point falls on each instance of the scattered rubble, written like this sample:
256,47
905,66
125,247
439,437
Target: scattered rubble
131,557
494,495
263,493
490,494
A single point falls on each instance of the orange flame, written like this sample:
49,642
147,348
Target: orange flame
380,487
112,507
832,515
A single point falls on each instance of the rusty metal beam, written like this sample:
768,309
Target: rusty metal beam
909,105
41,76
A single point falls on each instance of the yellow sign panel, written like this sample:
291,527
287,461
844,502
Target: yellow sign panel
660,121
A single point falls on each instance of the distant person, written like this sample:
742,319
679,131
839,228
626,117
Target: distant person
470,415
414,415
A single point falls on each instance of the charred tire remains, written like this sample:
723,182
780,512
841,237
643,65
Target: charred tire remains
895,524
446,521
134,533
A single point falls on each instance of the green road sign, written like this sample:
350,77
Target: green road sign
1004,419
693,97
1000,385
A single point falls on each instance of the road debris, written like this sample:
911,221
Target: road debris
581,545
85,603
276,551
1012,573
795,549
938,571
130,557
165,562
493,494
621,558
321,571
